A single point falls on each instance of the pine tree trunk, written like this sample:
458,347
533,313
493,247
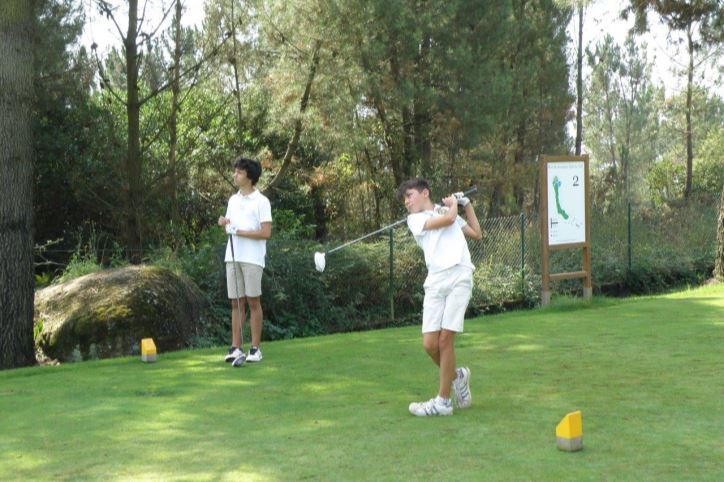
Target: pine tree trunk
237,86
294,141
16,184
579,83
689,141
134,189
172,122
719,261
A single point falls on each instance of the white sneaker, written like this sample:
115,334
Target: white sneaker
461,386
254,356
430,408
233,354
239,360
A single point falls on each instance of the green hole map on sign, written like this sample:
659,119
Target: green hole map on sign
556,185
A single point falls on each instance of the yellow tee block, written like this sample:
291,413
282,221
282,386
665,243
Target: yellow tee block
148,347
571,426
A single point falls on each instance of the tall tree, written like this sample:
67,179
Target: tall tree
62,116
702,23
622,110
172,122
719,261
138,93
16,181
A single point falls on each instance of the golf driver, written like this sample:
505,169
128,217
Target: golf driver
241,359
320,261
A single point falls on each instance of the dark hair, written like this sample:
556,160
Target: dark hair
252,168
419,184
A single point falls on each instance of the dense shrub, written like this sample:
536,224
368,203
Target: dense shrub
673,245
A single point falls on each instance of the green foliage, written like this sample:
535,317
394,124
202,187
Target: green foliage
666,181
37,329
667,178
93,252
42,280
498,287
709,164
622,119
81,263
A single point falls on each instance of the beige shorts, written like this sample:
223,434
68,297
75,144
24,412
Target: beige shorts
447,294
248,280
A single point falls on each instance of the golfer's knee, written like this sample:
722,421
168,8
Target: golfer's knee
446,339
431,346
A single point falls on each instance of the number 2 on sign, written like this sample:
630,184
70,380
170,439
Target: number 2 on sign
575,181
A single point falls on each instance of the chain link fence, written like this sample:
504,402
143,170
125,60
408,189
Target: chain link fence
376,283
635,249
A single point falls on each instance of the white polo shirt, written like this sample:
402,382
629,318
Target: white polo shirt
247,213
445,247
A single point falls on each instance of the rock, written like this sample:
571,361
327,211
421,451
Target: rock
106,314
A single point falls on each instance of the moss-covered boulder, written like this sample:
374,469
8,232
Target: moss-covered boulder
106,314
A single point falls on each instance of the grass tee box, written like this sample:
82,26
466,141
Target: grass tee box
645,372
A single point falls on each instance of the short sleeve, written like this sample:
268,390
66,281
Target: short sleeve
228,208
416,223
265,210
461,223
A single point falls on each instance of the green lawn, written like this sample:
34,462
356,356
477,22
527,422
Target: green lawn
647,373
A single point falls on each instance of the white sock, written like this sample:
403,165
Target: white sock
442,401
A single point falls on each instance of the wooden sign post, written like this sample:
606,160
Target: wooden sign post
565,215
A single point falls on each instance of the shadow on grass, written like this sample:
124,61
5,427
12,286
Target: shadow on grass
336,406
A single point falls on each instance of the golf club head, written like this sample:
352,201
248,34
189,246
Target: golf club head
238,361
319,261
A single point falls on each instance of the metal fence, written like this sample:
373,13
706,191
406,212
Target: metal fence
379,282
624,238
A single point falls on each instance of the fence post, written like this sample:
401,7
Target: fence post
629,236
392,275
522,254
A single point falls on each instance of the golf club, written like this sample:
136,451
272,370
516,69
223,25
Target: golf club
320,261
241,359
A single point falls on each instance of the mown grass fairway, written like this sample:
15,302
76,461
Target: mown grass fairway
647,374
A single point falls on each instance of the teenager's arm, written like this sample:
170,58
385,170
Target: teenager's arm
472,229
263,233
439,222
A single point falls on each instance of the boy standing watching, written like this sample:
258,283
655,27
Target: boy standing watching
248,221
440,232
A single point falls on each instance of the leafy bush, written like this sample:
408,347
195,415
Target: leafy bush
90,256
672,245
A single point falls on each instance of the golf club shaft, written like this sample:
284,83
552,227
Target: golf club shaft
389,226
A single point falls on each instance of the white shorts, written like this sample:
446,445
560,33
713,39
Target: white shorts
247,282
447,294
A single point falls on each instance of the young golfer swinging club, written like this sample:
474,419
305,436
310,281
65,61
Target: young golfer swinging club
440,232
248,220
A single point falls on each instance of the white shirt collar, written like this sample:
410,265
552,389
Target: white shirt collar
251,195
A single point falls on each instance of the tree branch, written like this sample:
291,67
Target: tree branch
105,8
147,37
194,67
106,84
294,142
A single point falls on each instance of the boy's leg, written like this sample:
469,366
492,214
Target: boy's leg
453,322
235,289
238,313
431,343
446,344
440,347
255,319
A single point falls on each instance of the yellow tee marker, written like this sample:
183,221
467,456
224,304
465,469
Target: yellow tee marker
569,432
148,350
